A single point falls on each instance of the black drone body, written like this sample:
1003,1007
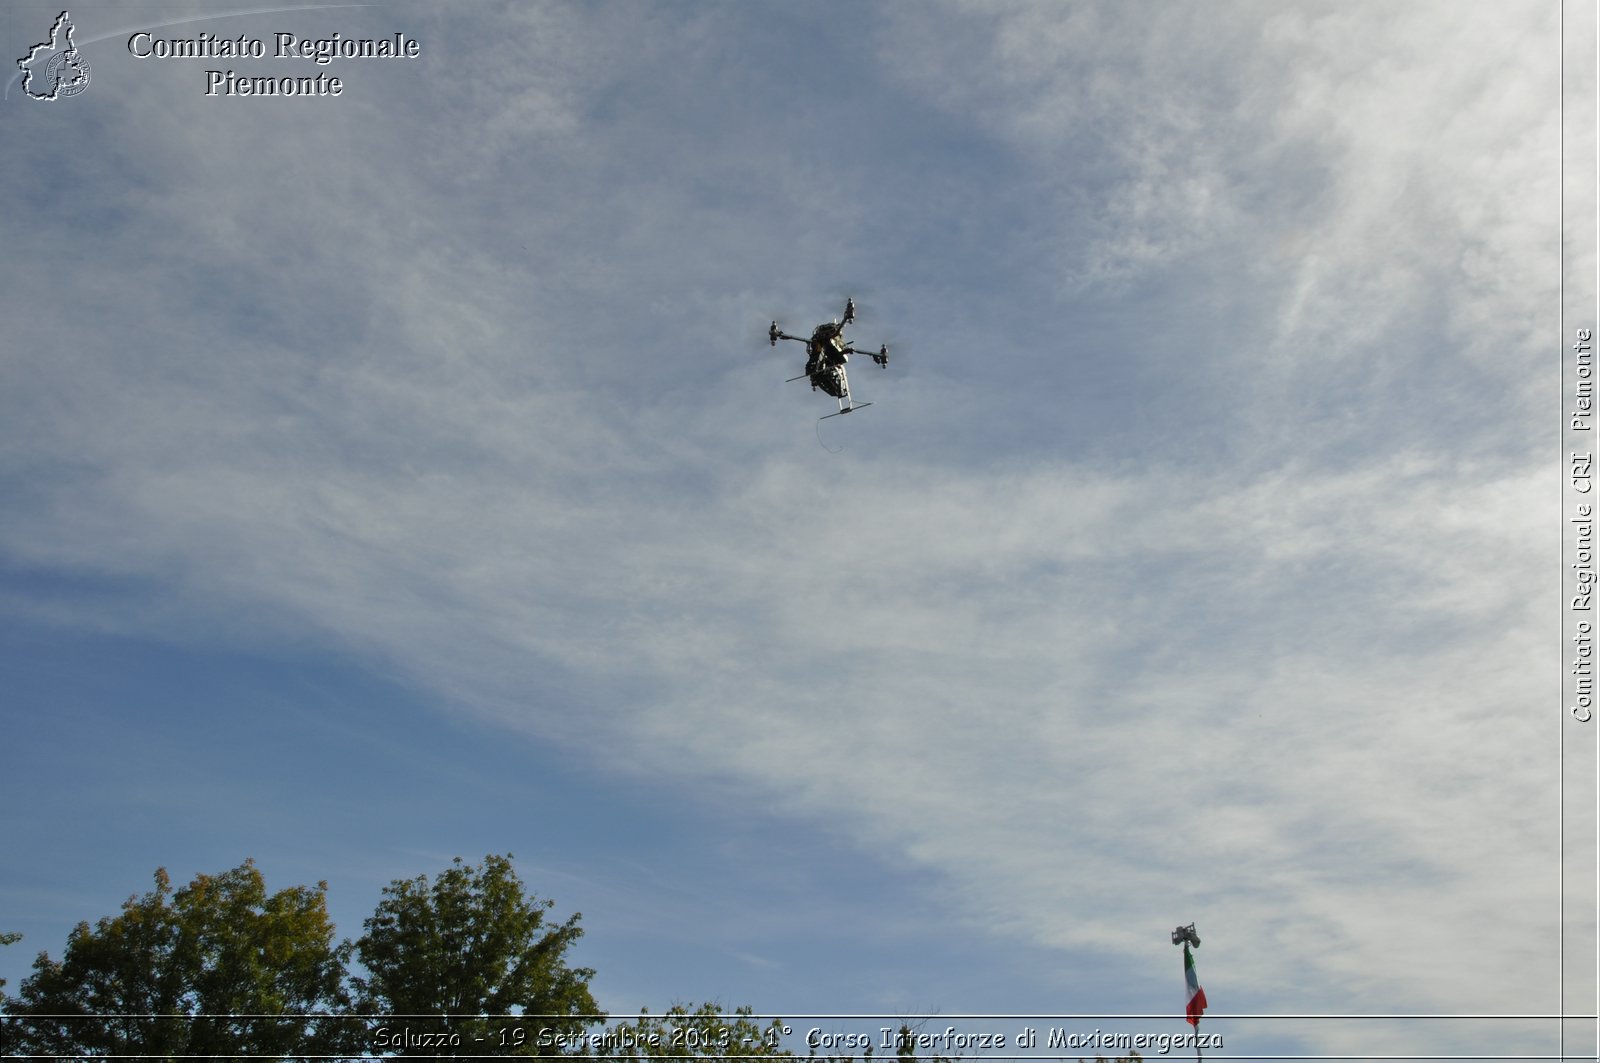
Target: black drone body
827,351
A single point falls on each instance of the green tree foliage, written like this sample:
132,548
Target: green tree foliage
7,939
706,1032
469,946
217,970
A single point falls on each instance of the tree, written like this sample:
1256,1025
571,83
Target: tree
462,950
9,938
706,1032
217,970
709,1033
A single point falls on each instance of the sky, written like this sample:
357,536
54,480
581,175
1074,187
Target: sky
405,475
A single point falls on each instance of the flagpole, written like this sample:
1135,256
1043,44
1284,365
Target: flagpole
1184,935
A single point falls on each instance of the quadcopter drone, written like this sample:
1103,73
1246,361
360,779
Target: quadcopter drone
1185,935
826,353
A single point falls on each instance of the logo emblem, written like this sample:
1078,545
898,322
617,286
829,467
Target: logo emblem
57,63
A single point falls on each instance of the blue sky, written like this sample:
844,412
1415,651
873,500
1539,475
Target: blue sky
405,475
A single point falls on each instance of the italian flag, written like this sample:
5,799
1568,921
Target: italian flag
1197,996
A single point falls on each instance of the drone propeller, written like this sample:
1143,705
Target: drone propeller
893,355
859,301
774,334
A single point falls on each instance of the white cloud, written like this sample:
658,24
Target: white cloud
484,442
1085,700
1375,164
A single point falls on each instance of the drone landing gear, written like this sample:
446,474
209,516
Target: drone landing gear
841,391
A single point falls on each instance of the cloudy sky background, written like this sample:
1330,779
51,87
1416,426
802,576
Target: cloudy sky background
406,475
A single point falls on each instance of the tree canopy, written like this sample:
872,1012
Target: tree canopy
215,970
463,965
473,943
682,1033
8,938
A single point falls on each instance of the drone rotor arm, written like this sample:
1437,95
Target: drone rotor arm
881,355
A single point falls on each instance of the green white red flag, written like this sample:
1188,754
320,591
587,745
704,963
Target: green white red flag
1197,995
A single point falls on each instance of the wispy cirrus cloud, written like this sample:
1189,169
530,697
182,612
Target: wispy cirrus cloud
479,419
